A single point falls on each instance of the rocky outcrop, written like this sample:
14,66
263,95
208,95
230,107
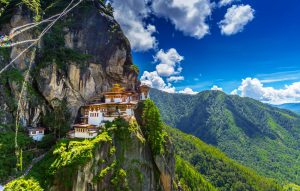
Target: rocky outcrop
88,31
131,153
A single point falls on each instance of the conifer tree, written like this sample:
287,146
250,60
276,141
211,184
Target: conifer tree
153,126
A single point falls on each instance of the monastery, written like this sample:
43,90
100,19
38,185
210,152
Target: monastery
116,103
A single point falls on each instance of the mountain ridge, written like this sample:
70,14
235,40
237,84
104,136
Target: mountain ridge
257,135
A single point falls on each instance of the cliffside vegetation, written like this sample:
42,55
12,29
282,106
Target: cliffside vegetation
23,184
153,127
257,135
111,167
7,153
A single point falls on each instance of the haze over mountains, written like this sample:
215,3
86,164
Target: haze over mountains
295,107
257,135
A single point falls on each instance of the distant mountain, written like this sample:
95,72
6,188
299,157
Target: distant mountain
257,135
295,107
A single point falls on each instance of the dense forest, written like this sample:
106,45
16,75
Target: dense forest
257,135
220,171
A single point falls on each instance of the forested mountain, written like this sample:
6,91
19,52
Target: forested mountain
213,166
257,135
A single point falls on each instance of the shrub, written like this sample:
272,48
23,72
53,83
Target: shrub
23,184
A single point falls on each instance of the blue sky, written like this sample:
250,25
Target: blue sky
264,52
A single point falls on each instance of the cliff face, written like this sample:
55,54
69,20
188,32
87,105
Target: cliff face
119,158
130,167
81,57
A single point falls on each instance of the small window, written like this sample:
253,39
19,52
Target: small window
33,132
40,131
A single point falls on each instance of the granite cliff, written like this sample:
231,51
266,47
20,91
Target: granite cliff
80,57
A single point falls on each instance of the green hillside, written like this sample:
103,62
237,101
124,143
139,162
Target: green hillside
223,173
189,179
257,135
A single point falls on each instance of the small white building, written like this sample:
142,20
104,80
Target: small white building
37,134
85,131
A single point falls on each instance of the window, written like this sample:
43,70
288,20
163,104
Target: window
40,132
33,132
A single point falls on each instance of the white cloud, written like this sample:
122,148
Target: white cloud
130,14
234,92
175,78
188,16
169,62
226,2
236,18
153,80
216,88
279,76
188,91
252,87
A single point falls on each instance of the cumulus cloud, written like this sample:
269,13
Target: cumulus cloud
234,92
175,79
167,71
169,62
236,18
188,91
226,2
216,88
153,80
188,16
254,88
130,14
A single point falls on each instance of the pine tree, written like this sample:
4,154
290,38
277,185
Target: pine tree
153,126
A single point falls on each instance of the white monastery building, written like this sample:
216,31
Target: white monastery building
117,103
37,134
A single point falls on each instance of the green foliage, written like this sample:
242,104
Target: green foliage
119,180
35,6
47,142
258,135
23,184
57,120
65,158
75,153
223,173
135,68
7,153
190,179
54,50
152,127
291,187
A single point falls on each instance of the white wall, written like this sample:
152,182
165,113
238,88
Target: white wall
117,100
129,112
84,135
108,119
37,137
95,120
143,96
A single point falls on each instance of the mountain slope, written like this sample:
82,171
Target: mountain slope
223,173
255,134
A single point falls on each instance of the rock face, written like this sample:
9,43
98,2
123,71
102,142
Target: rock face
92,33
132,154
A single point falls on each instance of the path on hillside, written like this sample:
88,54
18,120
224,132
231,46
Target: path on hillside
33,162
